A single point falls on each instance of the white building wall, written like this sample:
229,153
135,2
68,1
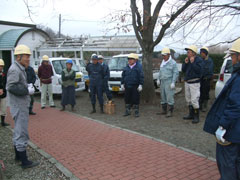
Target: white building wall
33,40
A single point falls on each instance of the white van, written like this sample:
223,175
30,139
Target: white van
58,64
116,66
225,75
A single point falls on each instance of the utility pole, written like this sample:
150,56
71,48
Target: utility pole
60,21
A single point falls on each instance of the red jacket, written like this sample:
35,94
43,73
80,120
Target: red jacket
45,73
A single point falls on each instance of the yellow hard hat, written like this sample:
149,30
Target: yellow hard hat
235,46
45,58
192,48
165,51
1,62
22,49
204,47
132,56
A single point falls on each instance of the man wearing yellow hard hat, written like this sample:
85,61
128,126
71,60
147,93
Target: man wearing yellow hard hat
45,74
132,82
192,67
207,74
3,94
18,93
223,121
168,75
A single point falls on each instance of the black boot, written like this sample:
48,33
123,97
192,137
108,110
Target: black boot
101,109
25,162
17,157
170,111
196,116
190,115
136,107
31,112
127,112
3,121
204,105
164,110
63,108
93,109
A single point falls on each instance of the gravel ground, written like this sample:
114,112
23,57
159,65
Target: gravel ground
174,130
13,171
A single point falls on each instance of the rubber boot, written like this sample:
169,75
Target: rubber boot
170,111
200,105
127,112
101,109
204,106
63,108
164,110
3,121
93,109
25,162
196,116
31,112
190,115
136,108
17,157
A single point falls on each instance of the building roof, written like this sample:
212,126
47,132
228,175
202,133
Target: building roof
9,38
17,24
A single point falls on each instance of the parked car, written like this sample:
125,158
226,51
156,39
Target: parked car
225,74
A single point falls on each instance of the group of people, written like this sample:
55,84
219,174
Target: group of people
223,119
131,81
198,72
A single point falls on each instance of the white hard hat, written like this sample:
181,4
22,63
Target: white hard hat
165,51
235,46
22,49
132,56
192,48
45,58
1,62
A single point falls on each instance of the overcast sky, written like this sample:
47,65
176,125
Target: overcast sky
83,17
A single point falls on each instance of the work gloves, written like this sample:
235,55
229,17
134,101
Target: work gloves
31,89
220,133
122,87
139,88
172,86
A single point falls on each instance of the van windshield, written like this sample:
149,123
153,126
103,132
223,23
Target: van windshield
228,67
119,63
59,65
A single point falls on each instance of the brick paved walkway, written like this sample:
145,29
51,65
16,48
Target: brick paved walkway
94,151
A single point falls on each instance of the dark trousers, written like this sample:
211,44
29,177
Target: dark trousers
228,161
132,96
96,90
204,89
107,91
31,103
68,95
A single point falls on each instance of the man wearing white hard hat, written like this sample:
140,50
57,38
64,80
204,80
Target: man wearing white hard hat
192,67
168,75
19,99
207,74
223,121
45,74
132,82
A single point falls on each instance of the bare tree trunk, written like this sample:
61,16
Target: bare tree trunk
148,94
